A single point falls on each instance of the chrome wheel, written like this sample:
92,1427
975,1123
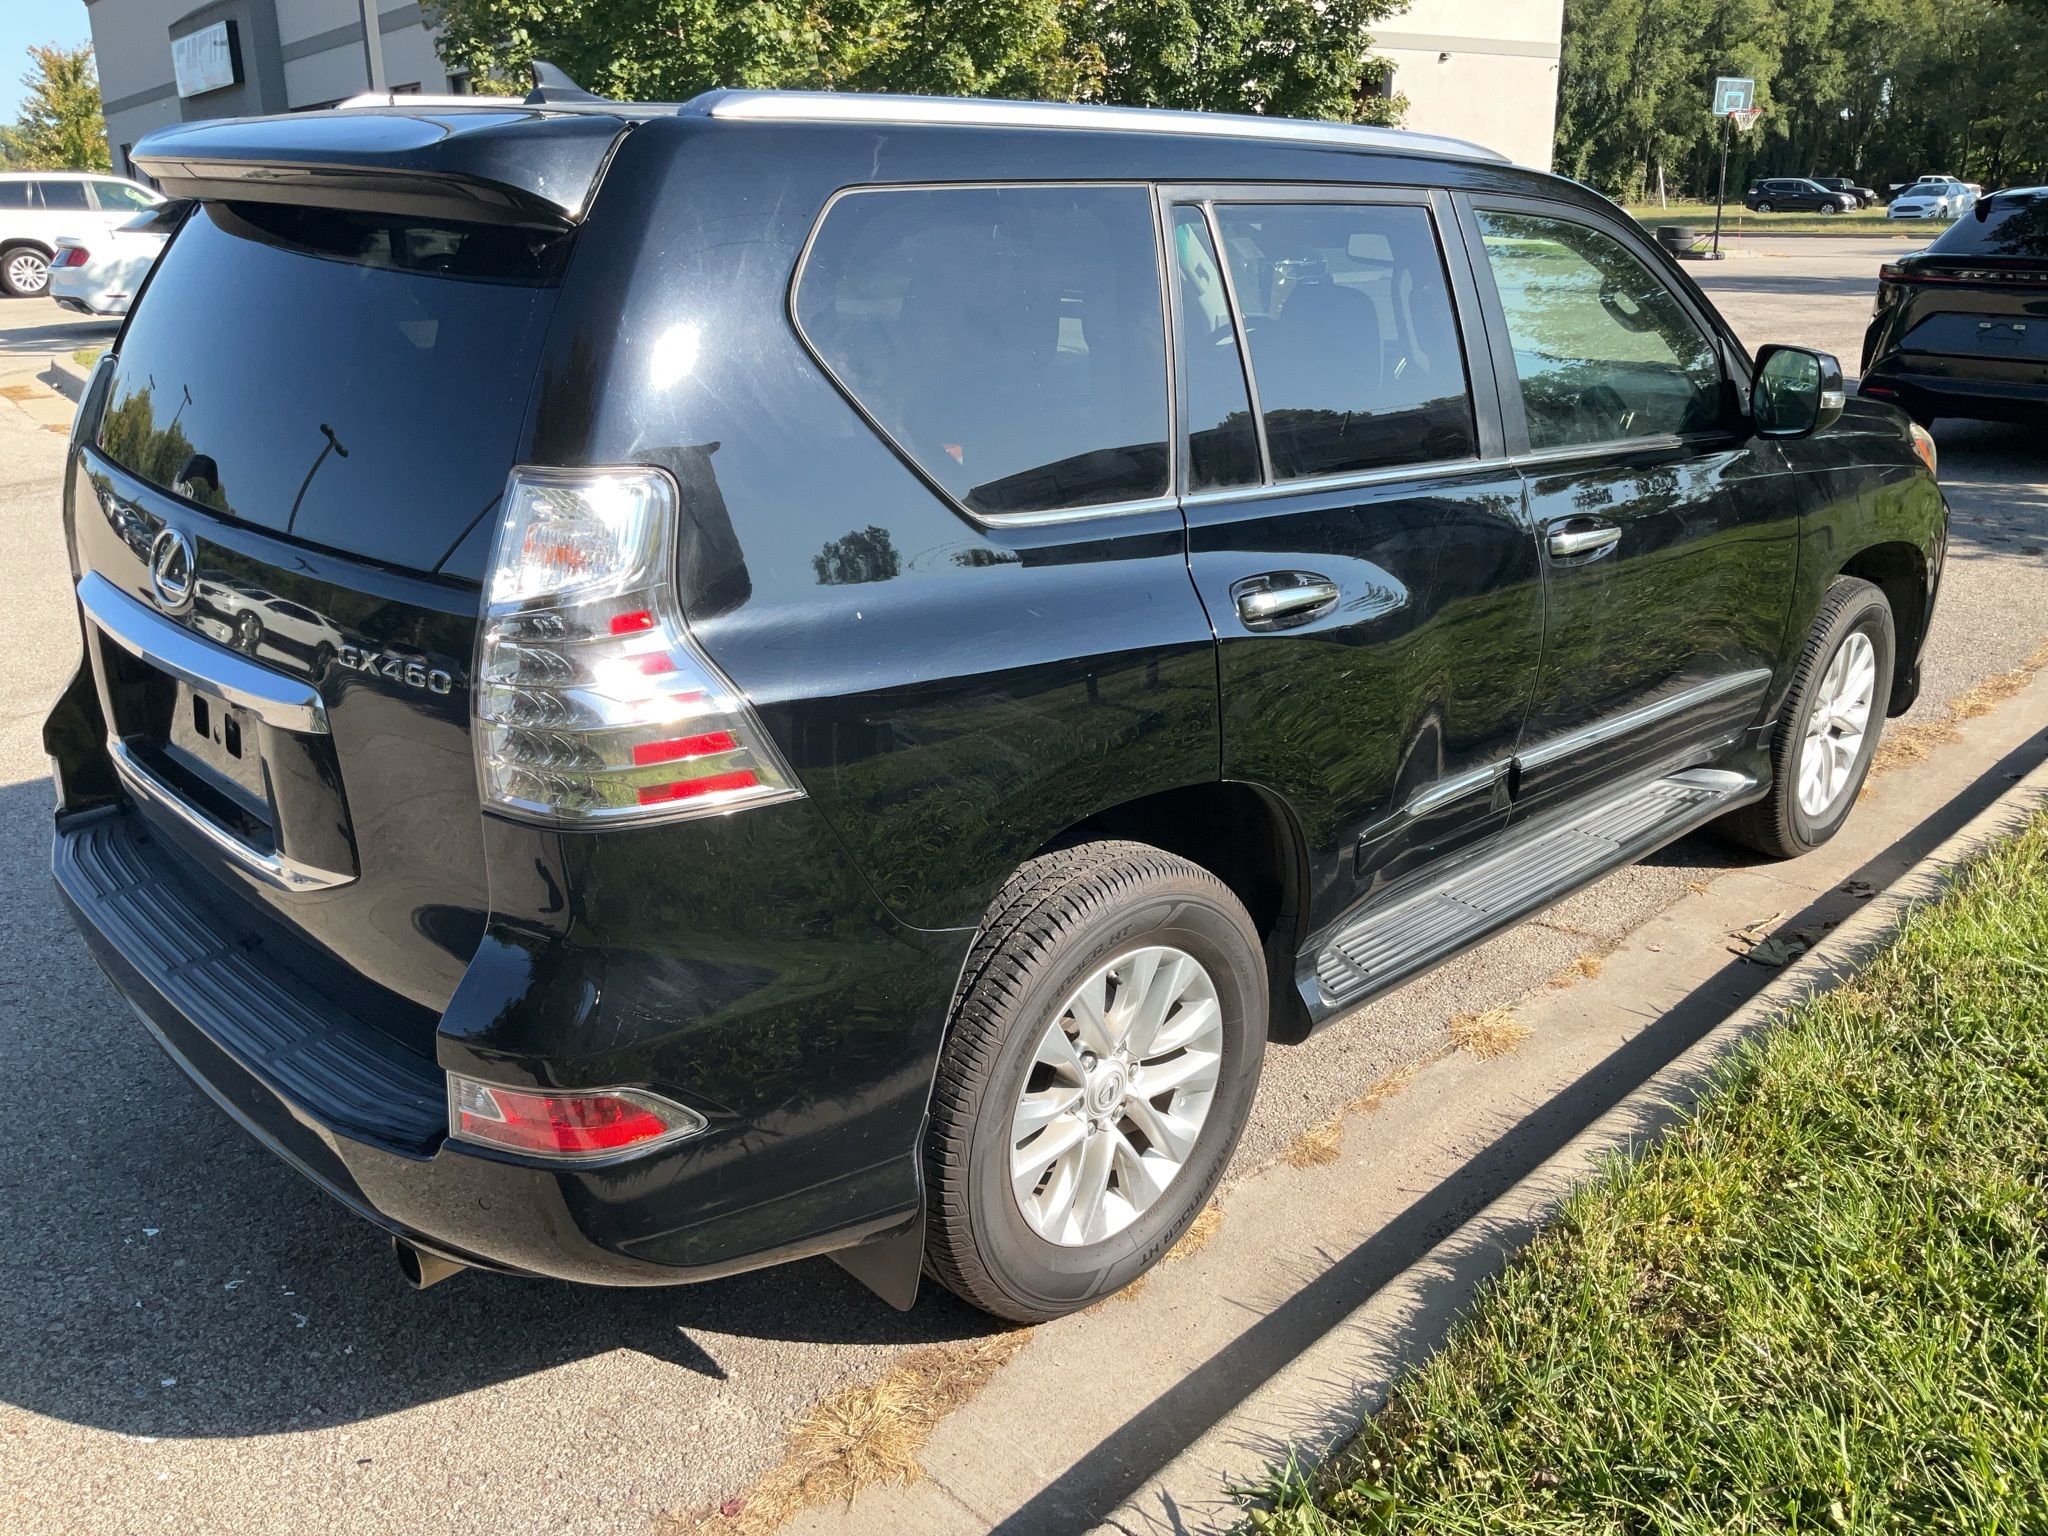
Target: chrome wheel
1837,726
28,273
1117,1094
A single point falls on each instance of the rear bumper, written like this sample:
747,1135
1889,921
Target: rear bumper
1948,394
279,1036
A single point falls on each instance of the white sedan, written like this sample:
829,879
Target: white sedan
1933,200
101,274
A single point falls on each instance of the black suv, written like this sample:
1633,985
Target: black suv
673,688
1796,194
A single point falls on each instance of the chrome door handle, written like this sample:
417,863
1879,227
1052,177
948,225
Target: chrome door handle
1283,599
1584,540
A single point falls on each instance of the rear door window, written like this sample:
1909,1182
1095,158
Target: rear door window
1603,349
356,380
115,198
63,195
1010,341
1354,347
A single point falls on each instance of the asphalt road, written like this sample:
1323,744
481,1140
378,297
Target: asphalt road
198,1340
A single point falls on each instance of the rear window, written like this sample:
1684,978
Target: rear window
2015,226
1009,340
355,380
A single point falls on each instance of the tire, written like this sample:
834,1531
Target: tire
1764,208
1828,209
25,272
1786,822
1060,923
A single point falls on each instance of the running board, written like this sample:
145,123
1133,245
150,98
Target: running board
1392,941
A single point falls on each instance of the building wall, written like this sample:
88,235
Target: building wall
295,54
1483,70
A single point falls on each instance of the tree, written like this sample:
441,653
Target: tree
60,128
1298,57
1881,90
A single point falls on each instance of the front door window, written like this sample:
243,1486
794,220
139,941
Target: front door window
1603,351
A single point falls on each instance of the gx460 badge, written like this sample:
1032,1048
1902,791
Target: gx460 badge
400,669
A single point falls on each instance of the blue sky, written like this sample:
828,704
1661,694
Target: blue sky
23,22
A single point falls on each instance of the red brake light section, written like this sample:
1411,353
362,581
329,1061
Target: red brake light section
565,1127
73,256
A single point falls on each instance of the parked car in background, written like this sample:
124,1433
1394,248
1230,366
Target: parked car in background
1865,196
1797,194
38,208
1961,328
637,724
101,274
1933,200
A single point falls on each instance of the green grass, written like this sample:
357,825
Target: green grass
85,357
1820,1305
1737,219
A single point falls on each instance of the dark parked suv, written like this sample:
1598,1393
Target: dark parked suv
673,688
1797,194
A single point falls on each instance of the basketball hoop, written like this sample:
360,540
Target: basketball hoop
1745,118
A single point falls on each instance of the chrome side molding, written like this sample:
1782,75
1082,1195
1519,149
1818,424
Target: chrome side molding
1630,721
197,662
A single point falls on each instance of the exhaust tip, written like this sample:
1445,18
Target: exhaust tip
421,1268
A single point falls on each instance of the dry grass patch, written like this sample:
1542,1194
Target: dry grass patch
1585,968
1196,1238
1383,1090
863,1434
1317,1146
1904,745
1496,1032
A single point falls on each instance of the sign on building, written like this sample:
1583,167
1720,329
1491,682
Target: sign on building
1733,94
207,60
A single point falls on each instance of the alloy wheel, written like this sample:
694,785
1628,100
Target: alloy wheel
28,273
1836,727
1117,1094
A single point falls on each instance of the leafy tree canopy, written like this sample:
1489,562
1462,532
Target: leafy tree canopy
1308,58
60,128
1878,90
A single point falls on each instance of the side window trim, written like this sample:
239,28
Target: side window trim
1510,384
1468,299
1168,501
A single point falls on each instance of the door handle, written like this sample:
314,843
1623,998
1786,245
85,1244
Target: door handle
1583,538
1283,599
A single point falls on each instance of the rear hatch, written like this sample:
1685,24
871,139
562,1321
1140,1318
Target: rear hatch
1979,293
323,389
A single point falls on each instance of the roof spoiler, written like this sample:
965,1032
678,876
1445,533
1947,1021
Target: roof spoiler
492,163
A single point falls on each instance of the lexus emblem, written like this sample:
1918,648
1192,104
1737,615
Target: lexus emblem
172,570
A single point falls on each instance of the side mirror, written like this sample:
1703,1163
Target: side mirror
1796,392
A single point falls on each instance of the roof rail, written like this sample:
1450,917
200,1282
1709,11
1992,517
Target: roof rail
980,112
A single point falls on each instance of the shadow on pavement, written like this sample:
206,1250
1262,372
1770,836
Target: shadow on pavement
151,1241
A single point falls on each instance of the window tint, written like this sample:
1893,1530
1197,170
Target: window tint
364,386
66,195
1010,340
1602,348
13,194
1348,320
116,198
1223,445
2015,225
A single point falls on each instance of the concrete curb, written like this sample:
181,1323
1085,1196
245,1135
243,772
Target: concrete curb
1319,1400
67,378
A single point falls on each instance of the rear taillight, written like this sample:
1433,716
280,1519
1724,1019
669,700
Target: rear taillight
566,1127
72,256
593,704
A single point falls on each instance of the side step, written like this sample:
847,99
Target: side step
1394,939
